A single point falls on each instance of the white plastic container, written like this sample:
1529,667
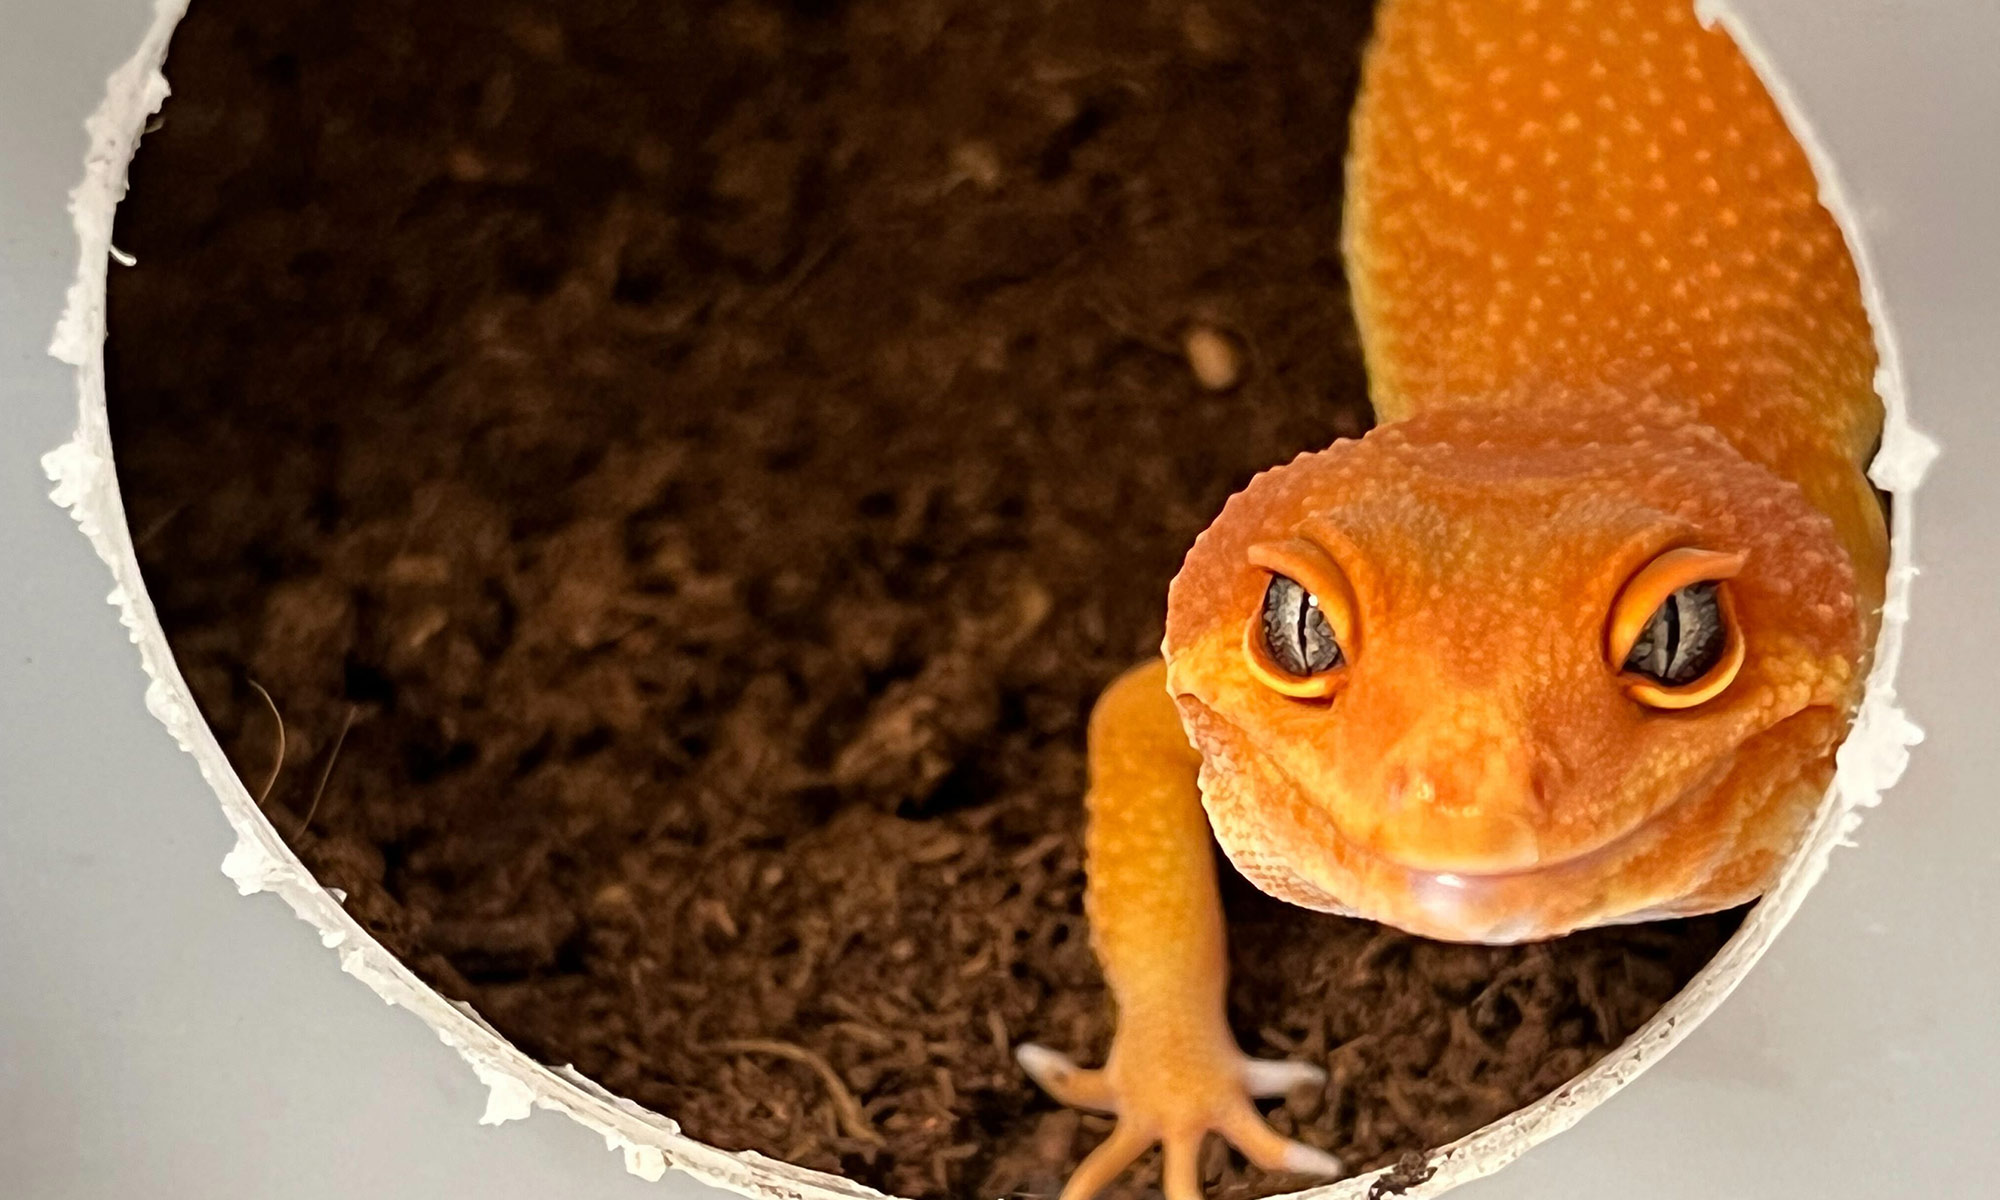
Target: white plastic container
1858,193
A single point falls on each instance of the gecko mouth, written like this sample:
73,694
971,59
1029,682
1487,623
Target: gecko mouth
1502,906
1649,868
1579,862
1576,864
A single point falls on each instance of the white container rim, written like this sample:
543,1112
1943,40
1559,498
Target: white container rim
1871,759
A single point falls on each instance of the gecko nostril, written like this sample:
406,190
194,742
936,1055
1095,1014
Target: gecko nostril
1408,786
1538,789
1546,777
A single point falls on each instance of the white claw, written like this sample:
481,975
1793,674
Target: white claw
1064,1080
1050,1068
1308,1160
1275,1077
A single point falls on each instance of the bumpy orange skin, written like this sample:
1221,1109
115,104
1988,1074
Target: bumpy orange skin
1575,194
1482,773
1604,316
1604,313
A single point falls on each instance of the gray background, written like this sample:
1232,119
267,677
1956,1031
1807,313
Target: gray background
161,1037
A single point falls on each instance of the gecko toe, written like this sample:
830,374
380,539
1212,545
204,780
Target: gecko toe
1180,1166
1113,1155
1270,1150
1058,1075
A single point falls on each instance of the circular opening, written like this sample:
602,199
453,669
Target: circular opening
665,490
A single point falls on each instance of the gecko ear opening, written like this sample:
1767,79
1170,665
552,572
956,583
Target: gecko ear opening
1304,631
1673,636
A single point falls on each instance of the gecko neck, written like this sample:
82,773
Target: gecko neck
1606,211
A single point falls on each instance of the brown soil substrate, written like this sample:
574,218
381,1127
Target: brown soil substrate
713,454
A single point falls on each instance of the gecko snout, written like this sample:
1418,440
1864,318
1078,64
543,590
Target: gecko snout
1473,813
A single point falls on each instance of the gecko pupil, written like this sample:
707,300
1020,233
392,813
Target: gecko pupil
1684,640
1296,633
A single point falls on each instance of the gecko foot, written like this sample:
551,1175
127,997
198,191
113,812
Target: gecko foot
1177,1104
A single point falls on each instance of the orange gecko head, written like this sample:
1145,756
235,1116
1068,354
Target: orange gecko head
1497,680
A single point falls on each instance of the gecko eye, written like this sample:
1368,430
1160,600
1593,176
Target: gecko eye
1684,639
1297,635
1305,630
1672,633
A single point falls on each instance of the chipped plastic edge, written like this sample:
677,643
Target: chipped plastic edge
1871,760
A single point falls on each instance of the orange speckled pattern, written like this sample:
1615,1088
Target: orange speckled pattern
1577,192
1604,314
1565,191
1482,774
1605,319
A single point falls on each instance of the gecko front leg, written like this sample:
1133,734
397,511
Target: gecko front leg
1175,1073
